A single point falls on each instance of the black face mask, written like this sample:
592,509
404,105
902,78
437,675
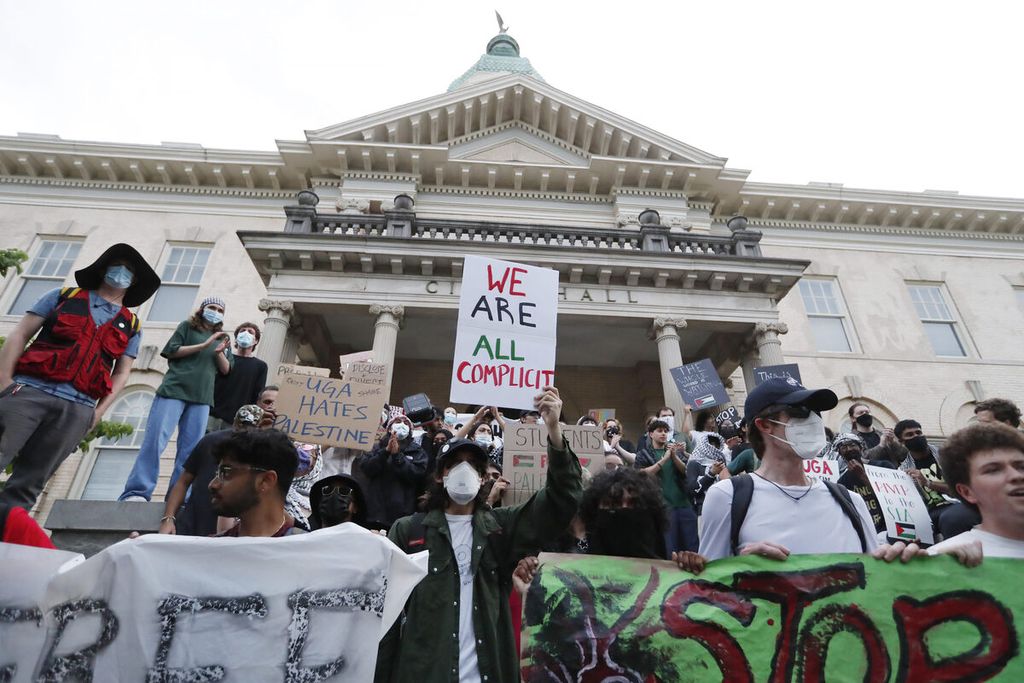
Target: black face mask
625,532
918,444
334,509
865,420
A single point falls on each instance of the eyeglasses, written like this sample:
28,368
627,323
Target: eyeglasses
331,489
796,411
226,472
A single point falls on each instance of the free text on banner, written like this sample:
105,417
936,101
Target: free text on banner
307,607
525,457
333,412
752,619
505,342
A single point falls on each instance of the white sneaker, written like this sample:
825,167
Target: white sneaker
134,499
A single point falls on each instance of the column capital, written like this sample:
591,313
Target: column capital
659,324
396,311
762,329
267,305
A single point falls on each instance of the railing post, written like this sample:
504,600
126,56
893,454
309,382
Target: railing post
401,221
653,235
301,217
746,241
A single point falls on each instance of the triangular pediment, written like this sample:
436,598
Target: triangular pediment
454,117
513,143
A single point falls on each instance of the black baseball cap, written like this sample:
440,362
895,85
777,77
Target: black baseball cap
454,445
788,392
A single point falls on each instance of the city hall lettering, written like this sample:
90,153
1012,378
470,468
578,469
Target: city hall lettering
601,295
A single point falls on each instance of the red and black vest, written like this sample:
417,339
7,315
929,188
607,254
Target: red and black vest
71,348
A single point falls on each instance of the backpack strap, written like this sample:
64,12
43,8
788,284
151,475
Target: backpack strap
417,534
68,293
5,508
742,492
842,496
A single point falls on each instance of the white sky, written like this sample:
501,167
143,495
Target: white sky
907,95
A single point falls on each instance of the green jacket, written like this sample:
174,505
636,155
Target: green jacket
425,648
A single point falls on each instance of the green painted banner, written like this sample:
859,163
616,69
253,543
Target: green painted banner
810,618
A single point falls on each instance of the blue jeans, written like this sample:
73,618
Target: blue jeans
682,531
166,413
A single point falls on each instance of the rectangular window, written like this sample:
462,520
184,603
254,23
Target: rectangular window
938,319
45,271
115,457
827,315
180,279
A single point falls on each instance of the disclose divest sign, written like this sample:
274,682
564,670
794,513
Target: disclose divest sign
752,619
307,607
505,342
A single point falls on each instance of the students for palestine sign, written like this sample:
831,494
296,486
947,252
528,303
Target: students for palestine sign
505,343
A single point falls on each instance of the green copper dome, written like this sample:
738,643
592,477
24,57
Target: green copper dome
502,58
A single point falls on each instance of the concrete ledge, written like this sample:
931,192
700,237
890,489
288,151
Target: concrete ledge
89,526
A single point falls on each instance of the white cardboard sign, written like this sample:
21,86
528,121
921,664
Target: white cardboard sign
505,343
906,515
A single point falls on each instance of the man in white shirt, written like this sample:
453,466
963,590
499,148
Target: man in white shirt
984,465
785,512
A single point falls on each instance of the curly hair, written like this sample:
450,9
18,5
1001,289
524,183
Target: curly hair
1002,410
610,486
955,456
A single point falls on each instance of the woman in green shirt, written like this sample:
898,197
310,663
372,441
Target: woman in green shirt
195,353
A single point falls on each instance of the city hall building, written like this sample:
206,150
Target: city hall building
353,238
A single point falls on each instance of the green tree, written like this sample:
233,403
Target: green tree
11,258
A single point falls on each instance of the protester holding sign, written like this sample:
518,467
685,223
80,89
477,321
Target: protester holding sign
777,511
393,473
851,448
458,625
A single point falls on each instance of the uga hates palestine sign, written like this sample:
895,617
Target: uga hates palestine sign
505,344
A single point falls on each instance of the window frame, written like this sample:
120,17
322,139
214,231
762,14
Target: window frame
955,321
16,281
91,457
843,315
165,259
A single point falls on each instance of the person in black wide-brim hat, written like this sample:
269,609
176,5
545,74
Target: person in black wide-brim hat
58,388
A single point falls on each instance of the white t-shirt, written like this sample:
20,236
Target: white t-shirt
992,545
814,524
461,528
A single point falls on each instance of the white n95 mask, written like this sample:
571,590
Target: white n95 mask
462,483
805,435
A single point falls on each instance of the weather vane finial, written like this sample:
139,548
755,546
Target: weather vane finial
502,28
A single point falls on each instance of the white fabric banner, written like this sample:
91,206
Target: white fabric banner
308,607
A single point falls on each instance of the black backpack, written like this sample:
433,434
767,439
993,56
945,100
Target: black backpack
743,491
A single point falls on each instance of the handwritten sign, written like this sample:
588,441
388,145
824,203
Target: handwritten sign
333,412
345,360
906,515
152,610
699,384
730,415
601,414
821,468
505,343
289,369
751,619
526,457
784,371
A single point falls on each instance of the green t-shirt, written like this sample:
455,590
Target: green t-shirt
675,496
744,462
190,378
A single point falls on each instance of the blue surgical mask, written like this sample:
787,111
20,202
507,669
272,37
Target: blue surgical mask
212,316
245,339
119,276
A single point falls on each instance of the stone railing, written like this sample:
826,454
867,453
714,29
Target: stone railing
651,237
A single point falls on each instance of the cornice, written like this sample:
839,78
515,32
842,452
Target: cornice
521,125
149,187
514,194
876,229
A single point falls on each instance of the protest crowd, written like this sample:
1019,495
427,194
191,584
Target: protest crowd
686,487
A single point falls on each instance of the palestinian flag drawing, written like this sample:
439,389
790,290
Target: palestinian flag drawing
703,401
906,531
523,460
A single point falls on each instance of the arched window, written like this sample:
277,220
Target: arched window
114,458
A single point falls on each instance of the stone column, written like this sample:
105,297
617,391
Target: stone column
769,346
665,332
385,338
275,330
